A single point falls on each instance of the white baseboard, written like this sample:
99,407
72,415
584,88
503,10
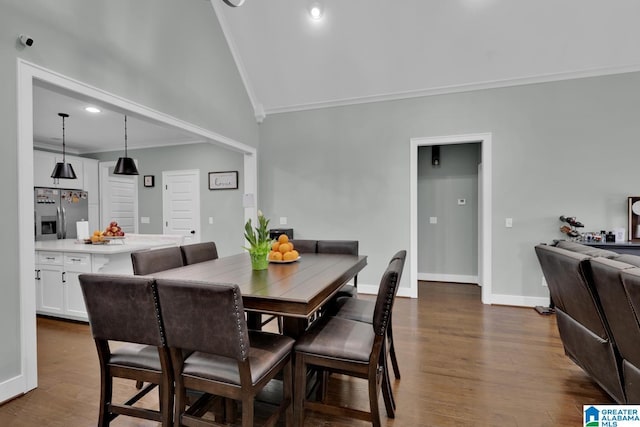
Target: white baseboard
454,278
519,301
11,388
373,290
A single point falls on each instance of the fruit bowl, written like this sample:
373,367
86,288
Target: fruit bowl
275,261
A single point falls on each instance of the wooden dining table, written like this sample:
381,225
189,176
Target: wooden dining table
295,290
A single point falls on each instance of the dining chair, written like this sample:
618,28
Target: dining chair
226,358
124,309
153,260
305,246
350,348
199,252
362,311
347,247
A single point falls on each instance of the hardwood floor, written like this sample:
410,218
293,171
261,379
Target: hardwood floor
462,364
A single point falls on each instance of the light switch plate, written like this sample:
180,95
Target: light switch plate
145,220
283,220
433,220
462,202
210,220
508,222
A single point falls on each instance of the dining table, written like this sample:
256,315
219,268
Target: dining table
294,290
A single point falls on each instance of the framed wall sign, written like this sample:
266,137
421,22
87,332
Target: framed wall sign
223,180
149,180
633,206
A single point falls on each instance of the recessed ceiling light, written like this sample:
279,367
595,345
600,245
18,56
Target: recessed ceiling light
92,109
316,11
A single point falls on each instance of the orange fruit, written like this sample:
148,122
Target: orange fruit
290,244
284,247
275,245
275,256
290,256
296,253
283,238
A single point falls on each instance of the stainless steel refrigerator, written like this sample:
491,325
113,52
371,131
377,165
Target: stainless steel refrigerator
57,211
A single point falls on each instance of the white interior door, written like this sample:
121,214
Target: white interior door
118,199
181,204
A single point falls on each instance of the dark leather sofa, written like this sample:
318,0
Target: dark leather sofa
595,293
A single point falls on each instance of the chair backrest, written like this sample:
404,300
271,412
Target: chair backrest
387,292
154,260
122,308
204,317
199,252
348,247
305,246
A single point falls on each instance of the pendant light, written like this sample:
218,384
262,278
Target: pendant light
63,170
125,165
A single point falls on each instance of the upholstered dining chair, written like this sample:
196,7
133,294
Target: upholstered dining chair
124,308
226,358
199,252
362,311
153,260
350,348
305,246
347,247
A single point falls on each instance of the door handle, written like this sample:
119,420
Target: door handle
59,221
64,223
193,231
64,277
37,274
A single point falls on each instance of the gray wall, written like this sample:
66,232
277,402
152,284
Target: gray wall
567,147
225,206
167,55
451,245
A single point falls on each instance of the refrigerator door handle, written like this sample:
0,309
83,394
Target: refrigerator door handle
64,223
59,221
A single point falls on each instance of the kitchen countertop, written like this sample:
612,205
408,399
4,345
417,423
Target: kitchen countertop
114,247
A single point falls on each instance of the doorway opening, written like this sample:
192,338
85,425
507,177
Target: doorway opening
484,206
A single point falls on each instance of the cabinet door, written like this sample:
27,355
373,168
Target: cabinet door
75,265
43,164
51,300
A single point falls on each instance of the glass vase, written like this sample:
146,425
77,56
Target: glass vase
259,260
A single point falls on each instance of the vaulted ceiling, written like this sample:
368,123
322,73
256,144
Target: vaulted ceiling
367,50
370,50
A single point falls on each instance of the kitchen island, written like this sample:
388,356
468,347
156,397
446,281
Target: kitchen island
60,262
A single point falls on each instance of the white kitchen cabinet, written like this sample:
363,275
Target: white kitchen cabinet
57,286
49,288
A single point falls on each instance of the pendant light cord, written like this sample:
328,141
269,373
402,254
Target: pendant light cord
125,137
64,160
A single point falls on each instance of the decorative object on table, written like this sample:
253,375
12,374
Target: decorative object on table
63,169
113,230
282,251
125,165
149,180
571,229
633,205
620,234
259,242
223,180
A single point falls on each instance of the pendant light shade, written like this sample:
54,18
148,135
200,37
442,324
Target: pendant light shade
63,170
125,165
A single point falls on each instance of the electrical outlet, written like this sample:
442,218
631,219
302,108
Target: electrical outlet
462,202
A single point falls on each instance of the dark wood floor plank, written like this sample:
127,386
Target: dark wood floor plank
462,363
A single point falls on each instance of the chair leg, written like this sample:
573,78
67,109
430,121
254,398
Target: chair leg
387,394
247,412
299,390
139,385
392,352
287,393
373,401
106,394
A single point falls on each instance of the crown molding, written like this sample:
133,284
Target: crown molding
444,90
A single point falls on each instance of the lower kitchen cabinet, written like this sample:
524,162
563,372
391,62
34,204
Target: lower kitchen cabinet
58,290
